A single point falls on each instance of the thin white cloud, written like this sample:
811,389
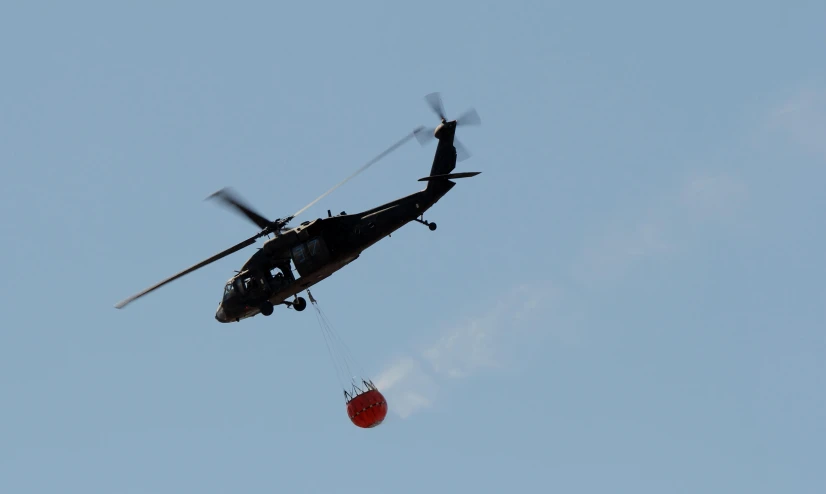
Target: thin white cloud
407,387
661,229
613,253
714,196
411,384
395,373
477,342
465,347
803,118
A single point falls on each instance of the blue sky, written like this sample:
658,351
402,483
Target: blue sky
629,298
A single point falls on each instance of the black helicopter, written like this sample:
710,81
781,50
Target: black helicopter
318,248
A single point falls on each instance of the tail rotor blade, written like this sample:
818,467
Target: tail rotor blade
425,135
461,151
470,117
435,102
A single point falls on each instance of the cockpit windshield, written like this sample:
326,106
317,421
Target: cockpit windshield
229,290
238,286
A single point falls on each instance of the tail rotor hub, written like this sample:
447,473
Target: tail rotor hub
443,128
446,129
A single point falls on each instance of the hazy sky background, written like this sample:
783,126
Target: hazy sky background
628,299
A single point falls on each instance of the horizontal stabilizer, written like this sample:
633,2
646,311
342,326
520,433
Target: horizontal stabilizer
449,176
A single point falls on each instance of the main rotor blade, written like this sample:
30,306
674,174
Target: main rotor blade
364,167
229,198
469,117
201,264
435,102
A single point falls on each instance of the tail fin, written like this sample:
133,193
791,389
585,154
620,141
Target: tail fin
448,149
444,160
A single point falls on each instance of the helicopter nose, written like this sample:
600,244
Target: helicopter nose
220,315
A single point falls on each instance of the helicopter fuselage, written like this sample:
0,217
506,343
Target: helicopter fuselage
316,249
320,247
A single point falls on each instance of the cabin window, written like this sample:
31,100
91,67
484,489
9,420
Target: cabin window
299,254
313,246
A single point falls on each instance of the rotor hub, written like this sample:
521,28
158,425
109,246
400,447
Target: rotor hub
444,129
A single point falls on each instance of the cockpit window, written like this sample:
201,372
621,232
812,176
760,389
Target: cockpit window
228,290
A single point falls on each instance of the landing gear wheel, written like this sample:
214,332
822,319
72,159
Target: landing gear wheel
299,304
266,308
432,226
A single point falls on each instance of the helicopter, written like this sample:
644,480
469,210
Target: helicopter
318,248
